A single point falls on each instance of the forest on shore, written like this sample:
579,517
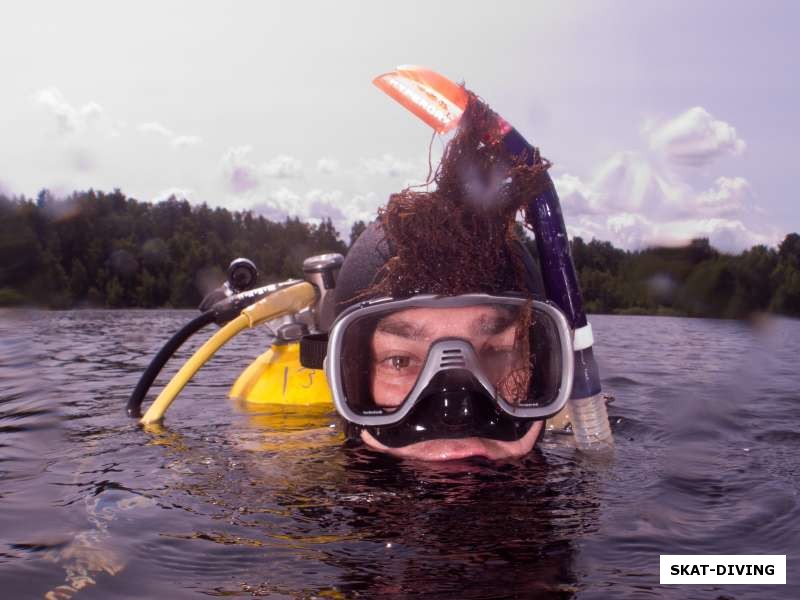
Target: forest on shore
96,249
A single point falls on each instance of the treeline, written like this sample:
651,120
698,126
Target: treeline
98,249
694,280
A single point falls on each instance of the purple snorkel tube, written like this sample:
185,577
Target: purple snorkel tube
587,406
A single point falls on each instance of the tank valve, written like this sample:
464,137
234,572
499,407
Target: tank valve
322,270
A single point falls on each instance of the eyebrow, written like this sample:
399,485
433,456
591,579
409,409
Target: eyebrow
403,329
487,325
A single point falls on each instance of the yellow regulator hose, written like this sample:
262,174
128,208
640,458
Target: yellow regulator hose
286,301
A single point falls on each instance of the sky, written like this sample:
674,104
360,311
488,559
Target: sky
664,121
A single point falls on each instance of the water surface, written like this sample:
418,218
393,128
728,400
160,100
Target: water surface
228,502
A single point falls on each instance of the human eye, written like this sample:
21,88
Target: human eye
398,364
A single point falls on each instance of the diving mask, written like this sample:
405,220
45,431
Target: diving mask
450,366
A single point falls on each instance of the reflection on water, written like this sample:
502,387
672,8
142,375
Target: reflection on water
225,501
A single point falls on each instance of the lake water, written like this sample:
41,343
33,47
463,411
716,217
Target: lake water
226,502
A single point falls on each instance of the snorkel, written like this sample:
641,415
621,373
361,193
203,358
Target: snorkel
441,103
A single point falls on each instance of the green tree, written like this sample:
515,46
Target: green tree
789,250
356,230
710,289
115,293
78,279
787,297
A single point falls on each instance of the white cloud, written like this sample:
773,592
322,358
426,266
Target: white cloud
182,141
629,230
629,182
175,140
388,166
728,196
328,166
280,204
66,115
283,167
81,159
633,231
239,171
634,201
626,182
71,119
727,235
328,196
348,207
578,196
177,192
694,138
91,111
157,128
312,206
342,209
323,203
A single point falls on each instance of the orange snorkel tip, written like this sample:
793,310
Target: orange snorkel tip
430,96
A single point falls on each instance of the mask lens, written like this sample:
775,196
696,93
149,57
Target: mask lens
511,347
534,379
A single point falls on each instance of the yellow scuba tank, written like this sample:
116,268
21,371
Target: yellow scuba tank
277,377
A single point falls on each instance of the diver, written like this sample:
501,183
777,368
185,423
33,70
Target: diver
440,335
443,346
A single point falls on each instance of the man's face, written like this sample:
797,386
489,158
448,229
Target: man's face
398,351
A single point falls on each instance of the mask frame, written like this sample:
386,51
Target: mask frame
445,354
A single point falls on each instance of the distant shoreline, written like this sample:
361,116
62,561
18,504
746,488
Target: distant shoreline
97,249
753,318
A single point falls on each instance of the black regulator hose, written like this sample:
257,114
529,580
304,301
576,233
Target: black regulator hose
220,313
134,407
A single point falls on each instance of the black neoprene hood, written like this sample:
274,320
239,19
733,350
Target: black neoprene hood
363,261
371,251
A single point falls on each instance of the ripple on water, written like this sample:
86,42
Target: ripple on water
221,502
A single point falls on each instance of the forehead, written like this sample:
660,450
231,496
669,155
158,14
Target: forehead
427,323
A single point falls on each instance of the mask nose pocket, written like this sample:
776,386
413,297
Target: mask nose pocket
456,410
455,405
454,400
